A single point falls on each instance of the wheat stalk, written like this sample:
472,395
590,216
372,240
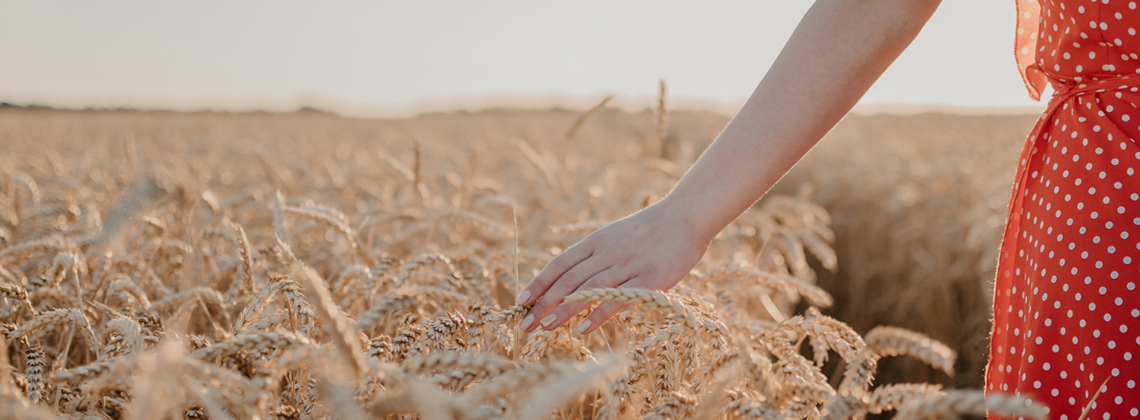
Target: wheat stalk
585,116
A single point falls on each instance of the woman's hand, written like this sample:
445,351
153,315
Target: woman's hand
651,249
832,58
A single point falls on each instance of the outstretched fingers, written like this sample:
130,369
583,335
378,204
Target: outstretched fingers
551,272
610,277
564,285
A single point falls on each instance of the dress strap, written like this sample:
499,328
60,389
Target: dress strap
1025,47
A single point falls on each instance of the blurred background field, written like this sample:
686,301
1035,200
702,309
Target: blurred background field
918,206
917,201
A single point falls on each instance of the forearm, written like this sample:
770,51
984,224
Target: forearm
835,54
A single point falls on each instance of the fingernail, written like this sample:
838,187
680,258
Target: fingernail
523,297
549,320
526,322
585,325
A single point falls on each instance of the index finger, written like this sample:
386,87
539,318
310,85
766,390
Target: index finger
553,270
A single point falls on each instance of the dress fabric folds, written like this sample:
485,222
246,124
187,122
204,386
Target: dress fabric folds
1066,304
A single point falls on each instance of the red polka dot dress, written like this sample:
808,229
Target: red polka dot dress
1066,304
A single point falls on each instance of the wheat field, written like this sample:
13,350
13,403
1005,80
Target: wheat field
160,265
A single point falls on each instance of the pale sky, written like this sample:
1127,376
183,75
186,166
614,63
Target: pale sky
374,57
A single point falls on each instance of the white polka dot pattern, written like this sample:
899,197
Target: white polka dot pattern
1076,41
1066,308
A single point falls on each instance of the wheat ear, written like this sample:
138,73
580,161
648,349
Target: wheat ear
892,341
257,305
894,396
955,403
55,317
337,325
632,296
34,372
257,341
337,223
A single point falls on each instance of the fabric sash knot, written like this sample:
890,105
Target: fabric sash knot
1065,91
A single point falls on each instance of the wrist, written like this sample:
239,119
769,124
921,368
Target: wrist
696,224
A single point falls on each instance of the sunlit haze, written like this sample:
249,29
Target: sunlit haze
378,58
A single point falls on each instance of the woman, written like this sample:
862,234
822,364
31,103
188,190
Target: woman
1066,308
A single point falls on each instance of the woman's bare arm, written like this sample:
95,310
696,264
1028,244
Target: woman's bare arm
835,54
